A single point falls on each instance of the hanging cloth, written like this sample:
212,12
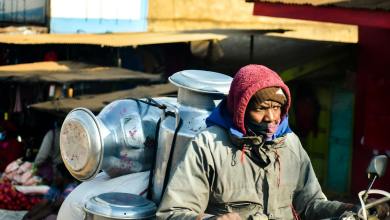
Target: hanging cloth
18,102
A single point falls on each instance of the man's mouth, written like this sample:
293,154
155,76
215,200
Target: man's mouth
271,128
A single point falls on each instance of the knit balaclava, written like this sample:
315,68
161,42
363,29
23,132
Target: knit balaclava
247,81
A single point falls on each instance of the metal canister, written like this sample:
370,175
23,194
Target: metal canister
199,93
119,140
115,205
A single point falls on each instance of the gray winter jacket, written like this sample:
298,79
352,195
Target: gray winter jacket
216,177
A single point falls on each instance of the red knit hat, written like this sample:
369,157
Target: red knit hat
247,81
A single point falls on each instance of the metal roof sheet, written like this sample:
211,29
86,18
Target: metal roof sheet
112,40
97,102
68,71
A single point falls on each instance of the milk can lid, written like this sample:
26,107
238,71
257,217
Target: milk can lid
81,144
202,81
120,206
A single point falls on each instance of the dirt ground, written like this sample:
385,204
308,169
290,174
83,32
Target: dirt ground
11,215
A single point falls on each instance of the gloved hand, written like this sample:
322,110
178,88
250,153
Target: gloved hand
229,216
349,215
382,210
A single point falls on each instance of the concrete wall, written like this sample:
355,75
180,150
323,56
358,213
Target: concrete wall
23,11
92,16
173,15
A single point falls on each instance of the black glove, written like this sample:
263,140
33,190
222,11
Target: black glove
349,215
382,210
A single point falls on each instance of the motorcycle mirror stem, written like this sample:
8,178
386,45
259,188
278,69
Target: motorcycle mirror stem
377,168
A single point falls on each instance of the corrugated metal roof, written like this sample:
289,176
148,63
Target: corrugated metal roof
97,102
67,71
112,40
359,4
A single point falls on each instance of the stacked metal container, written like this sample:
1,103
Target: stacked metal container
118,140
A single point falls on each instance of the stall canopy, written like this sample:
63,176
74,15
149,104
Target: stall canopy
111,40
68,71
358,4
96,102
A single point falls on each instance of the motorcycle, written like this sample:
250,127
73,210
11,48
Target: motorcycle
371,209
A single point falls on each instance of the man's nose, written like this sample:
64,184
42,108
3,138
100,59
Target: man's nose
269,115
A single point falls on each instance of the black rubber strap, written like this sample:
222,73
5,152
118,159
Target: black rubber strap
151,102
169,165
151,174
154,103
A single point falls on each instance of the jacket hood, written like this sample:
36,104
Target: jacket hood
221,117
247,81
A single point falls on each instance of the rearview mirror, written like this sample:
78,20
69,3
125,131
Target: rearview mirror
378,165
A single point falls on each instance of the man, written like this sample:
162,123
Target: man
50,148
49,154
248,164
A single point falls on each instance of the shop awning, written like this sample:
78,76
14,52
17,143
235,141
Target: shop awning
96,102
111,40
357,4
68,71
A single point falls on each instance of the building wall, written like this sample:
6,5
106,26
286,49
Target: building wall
23,11
101,16
173,15
372,115
340,141
98,16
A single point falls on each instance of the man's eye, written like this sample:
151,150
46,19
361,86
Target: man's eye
276,107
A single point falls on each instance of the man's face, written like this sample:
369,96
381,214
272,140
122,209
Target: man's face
268,112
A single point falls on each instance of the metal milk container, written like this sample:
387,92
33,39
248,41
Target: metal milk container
199,93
